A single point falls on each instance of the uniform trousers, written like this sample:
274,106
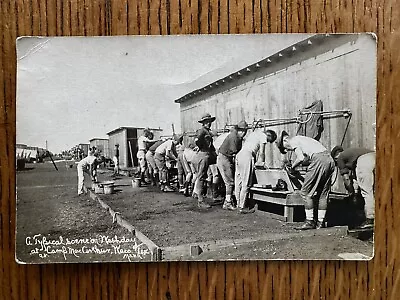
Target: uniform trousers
365,172
151,162
317,181
200,163
243,175
141,155
226,167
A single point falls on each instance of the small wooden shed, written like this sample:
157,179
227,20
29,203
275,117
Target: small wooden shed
127,137
101,145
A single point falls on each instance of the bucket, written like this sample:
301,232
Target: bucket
98,189
136,182
108,187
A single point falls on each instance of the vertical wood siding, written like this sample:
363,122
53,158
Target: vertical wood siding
119,137
343,78
102,145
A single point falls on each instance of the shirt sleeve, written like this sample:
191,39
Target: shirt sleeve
170,146
296,148
299,153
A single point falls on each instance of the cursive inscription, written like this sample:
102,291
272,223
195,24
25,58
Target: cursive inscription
127,248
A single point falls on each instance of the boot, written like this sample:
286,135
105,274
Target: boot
187,189
168,188
156,179
201,203
246,210
206,189
368,223
142,180
228,204
182,188
308,224
153,180
217,199
320,225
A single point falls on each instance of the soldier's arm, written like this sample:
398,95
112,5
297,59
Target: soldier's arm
299,157
261,156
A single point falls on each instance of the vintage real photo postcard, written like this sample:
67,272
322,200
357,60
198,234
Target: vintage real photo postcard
197,147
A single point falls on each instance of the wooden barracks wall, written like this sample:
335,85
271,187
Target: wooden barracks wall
377,279
342,76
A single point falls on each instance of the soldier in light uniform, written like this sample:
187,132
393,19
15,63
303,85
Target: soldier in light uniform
152,163
116,160
141,154
87,165
166,152
318,177
245,161
190,172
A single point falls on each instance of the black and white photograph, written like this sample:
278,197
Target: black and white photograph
195,148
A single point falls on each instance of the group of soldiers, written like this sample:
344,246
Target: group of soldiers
234,155
231,157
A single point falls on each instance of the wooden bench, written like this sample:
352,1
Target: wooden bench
290,201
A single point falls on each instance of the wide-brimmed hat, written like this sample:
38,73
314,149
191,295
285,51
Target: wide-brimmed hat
242,125
206,118
335,150
279,142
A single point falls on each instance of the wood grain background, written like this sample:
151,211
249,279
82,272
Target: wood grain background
377,279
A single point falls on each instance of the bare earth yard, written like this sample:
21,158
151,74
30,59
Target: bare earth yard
47,204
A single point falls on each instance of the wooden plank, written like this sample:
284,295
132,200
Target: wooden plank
272,199
156,252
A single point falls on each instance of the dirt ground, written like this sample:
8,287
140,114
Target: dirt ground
47,204
171,219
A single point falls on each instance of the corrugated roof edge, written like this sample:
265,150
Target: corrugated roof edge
253,67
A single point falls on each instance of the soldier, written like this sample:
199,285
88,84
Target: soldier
166,151
317,179
87,165
204,157
152,163
357,167
116,160
231,145
141,154
187,159
180,148
245,161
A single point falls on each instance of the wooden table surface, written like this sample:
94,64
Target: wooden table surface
377,279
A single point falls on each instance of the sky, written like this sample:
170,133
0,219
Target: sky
73,89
